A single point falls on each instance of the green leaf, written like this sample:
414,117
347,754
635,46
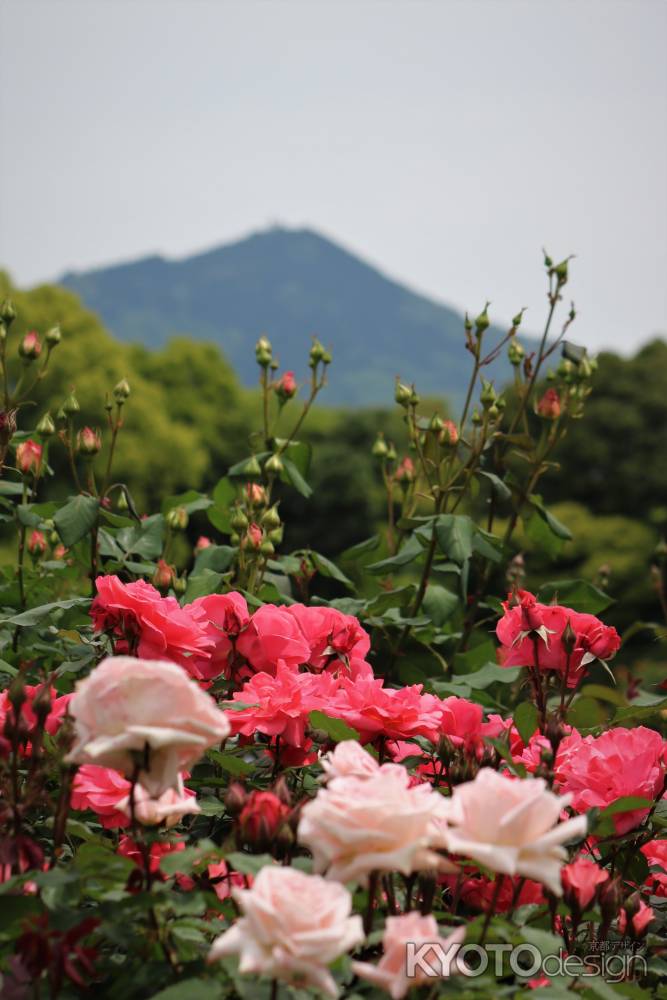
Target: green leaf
328,568
35,615
580,595
498,487
15,908
603,693
191,501
248,864
291,475
204,583
231,763
336,729
183,862
585,713
407,554
298,452
219,514
143,539
439,604
525,720
455,533
556,526
637,713
76,518
191,989
538,532
361,549
216,557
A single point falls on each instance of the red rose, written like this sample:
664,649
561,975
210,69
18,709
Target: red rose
580,882
273,637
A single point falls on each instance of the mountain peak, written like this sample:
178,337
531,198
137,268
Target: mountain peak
289,283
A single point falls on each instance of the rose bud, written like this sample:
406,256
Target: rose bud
253,537
449,435
36,544
260,820
635,917
286,387
46,427
402,393
121,391
580,883
281,790
163,576
256,494
236,798
30,347
89,442
29,457
405,473
177,518
203,543
549,407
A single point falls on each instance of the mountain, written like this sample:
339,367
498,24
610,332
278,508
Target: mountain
290,284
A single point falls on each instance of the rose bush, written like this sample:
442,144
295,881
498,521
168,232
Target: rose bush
231,770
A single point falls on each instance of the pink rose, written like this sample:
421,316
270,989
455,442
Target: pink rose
281,704
655,853
511,826
128,711
355,826
334,639
272,637
605,768
461,721
390,974
349,759
221,617
153,626
100,789
531,634
292,927
395,713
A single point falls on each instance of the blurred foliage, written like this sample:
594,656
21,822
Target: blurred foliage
188,403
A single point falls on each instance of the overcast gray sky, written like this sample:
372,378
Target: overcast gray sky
445,141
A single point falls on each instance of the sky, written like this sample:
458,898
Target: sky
446,142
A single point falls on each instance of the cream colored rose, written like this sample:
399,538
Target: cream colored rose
349,758
392,971
292,927
510,825
356,825
148,715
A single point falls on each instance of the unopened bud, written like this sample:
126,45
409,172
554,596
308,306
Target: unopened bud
89,441
17,693
177,518
42,704
560,270
273,465
476,418
285,387
449,435
436,423
253,537
276,536
235,799
548,262
46,427
391,452
515,352
482,321
405,473
549,406
516,321
271,518
317,353
402,393
267,547
239,521
487,396
7,312
263,352
36,544
121,391
163,576
30,347
53,336
252,467
180,584
71,405
379,449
